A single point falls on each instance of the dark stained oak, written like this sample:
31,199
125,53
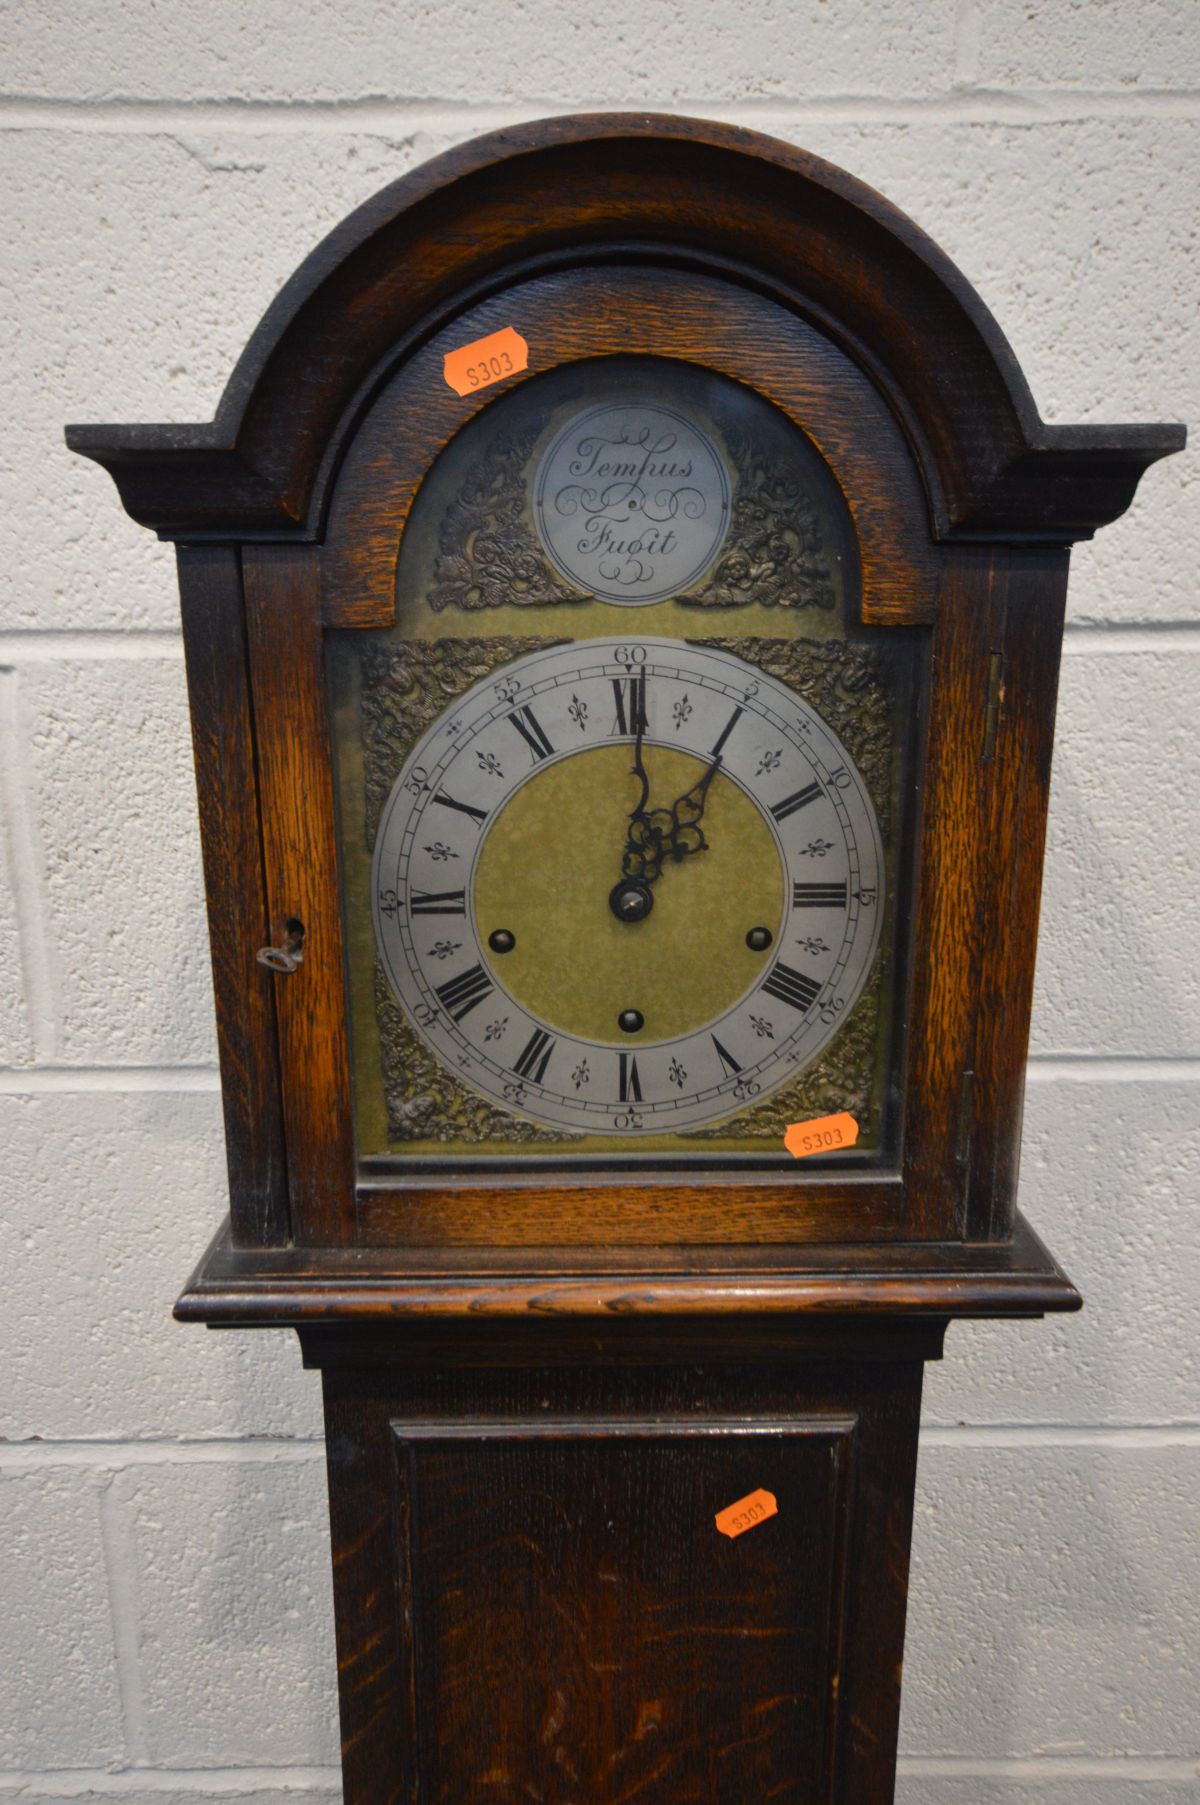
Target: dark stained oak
557,192
985,799
287,672
1019,736
533,1600
715,1206
954,863
541,1385
668,1658
672,238
214,639
984,735
237,1288
579,314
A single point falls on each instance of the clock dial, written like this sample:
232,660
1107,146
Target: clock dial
624,888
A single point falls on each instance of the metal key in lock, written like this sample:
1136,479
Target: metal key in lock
287,957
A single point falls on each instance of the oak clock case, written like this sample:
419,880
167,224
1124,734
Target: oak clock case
599,772
623,793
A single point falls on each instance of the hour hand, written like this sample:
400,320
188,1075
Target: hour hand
647,843
687,835
654,835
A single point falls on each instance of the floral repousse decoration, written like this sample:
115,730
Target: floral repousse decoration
774,556
488,555
405,688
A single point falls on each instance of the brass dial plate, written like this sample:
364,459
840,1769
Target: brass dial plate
553,709
574,965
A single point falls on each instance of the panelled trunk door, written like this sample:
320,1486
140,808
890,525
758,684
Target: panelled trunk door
536,1599
658,1657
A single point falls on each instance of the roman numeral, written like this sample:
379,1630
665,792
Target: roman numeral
631,690
631,1088
728,728
531,731
437,902
799,800
459,995
819,896
464,808
792,987
536,1056
732,1068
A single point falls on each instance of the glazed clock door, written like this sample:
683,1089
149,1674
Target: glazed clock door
625,736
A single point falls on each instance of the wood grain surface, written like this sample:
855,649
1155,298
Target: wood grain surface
287,668
675,238
235,1287
560,1526
539,1396
214,640
633,311
555,193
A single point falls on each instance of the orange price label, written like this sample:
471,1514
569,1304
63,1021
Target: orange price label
486,360
825,1135
747,1513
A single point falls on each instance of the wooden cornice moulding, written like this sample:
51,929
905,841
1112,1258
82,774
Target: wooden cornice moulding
241,1288
558,193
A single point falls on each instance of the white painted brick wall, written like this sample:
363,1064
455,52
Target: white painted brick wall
1039,1577
136,1177
60,1693
227,1561
166,165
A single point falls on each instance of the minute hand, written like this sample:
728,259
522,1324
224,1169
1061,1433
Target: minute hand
687,836
648,828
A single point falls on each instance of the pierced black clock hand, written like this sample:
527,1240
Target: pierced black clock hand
654,835
687,835
631,898
647,841
638,692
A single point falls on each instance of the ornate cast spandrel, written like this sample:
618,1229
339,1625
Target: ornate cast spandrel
405,687
775,553
488,554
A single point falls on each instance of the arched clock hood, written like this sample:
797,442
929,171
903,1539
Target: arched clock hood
644,188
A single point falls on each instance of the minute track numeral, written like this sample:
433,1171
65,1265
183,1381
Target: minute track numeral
460,995
535,1056
629,695
437,902
531,731
819,896
478,815
798,800
792,987
630,1083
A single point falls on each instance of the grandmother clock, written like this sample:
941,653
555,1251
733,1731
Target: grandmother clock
622,593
